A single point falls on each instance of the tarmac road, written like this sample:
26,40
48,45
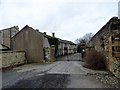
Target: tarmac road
60,74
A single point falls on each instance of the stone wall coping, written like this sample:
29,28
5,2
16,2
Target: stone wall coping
12,51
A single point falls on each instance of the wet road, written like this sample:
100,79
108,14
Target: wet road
60,74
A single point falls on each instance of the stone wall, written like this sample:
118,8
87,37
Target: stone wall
116,68
52,53
49,54
46,54
9,58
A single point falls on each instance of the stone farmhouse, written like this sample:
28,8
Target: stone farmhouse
62,47
30,41
66,47
107,41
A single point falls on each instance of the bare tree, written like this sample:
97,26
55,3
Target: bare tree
85,39
81,42
77,41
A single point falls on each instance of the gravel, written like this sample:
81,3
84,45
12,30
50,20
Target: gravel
108,79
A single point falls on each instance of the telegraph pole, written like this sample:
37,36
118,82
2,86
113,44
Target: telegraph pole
119,10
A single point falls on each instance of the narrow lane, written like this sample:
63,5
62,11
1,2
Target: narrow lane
60,74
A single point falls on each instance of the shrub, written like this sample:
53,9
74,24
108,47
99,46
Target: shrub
94,60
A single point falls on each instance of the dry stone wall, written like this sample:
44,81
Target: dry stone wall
9,58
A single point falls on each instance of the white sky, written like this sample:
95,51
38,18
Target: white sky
69,19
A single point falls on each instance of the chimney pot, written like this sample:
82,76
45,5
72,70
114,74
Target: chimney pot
37,30
45,33
53,34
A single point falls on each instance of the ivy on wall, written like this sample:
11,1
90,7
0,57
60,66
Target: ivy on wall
53,41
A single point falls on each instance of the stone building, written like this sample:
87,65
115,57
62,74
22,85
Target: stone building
34,43
107,41
9,58
66,47
5,37
30,41
49,47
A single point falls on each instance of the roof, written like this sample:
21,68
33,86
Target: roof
66,41
24,28
3,46
16,27
47,36
113,19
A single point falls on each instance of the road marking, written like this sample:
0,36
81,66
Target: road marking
40,74
58,73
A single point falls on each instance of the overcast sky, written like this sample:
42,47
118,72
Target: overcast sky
69,19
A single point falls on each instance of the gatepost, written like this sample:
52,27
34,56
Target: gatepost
52,53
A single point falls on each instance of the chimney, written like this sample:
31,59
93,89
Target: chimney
53,34
45,33
16,27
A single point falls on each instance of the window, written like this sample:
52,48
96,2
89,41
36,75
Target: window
116,51
116,36
117,48
113,51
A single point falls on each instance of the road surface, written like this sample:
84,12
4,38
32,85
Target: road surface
60,74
